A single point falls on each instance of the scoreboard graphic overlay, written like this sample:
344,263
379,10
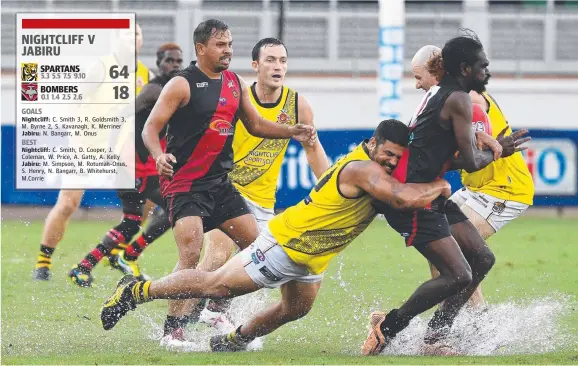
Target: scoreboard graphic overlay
75,103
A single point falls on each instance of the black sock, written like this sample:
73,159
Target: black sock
393,324
171,323
243,338
440,319
44,257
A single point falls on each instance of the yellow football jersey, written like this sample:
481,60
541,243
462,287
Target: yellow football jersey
257,160
507,178
324,223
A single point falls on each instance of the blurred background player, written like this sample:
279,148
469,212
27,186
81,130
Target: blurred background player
201,106
169,61
498,193
257,161
294,250
69,200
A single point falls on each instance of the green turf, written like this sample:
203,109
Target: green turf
58,323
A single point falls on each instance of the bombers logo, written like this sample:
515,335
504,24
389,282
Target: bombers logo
29,92
223,127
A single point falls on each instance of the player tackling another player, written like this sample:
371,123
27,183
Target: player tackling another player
498,193
440,127
295,249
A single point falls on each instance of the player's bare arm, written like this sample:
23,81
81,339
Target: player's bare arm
458,109
368,176
260,127
174,95
316,156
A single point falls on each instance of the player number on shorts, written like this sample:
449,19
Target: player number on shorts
114,73
121,92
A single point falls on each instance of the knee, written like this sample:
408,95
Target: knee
66,207
463,279
217,287
189,255
484,262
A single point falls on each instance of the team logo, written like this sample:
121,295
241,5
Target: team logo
29,92
29,72
283,117
499,207
235,94
223,101
479,126
260,255
223,127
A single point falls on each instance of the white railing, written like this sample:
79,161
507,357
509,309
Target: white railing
336,39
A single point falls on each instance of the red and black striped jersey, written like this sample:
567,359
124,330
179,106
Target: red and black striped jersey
200,134
432,142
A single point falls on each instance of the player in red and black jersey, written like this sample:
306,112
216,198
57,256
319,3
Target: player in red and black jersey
169,61
200,106
440,127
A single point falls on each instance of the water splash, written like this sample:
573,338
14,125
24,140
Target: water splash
517,327
197,335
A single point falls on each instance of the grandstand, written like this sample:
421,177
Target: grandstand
339,36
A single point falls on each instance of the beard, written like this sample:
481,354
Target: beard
480,86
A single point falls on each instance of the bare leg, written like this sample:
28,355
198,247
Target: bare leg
57,220
243,231
486,231
480,259
231,280
296,301
219,247
54,227
188,233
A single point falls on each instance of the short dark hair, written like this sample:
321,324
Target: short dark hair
164,48
206,29
461,49
392,130
265,42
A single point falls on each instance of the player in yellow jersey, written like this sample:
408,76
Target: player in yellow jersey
294,250
257,161
69,200
501,191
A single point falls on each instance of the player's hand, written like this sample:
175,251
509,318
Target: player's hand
483,140
447,189
165,164
511,144
304,133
